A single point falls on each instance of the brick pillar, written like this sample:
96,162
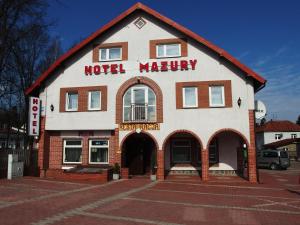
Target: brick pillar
118,151
44,145
204,164
252,171
160,165
85,147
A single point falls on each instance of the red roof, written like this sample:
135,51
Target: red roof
259,81
281,143
278,126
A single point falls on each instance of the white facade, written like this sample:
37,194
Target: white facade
204,122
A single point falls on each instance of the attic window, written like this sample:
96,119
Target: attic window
139,23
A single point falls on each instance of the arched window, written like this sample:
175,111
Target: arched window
139,104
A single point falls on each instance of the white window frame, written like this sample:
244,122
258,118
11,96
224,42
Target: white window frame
67,102
99,146
132,100
107,54
210,97
183,98
90,101
165,50
278,136
190,150
293,136
73,146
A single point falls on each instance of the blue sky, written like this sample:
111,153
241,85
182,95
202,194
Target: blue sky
264,35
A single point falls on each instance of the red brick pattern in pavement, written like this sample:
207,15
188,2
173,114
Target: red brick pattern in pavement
221,200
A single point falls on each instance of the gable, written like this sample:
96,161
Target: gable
258,81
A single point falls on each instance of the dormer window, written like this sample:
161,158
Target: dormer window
168,50
109,54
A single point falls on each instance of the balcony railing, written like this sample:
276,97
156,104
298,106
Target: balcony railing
141,113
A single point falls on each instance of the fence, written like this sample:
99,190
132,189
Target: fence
23,155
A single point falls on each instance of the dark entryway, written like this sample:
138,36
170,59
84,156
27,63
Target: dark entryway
139,154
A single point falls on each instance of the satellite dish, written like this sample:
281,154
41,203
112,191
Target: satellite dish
260,109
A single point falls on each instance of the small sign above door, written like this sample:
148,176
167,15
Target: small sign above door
141,126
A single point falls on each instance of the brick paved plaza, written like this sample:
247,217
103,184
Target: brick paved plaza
180,200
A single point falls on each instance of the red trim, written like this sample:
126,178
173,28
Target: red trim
140,6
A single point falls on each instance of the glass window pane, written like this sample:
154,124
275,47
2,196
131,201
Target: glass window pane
95,99
190,96
72,100
172,49
99,155
114,53
151,97
72,154
73,142
160,50
151,113
127,113
100,142
181,154
217,95
139,96
103,54
127,98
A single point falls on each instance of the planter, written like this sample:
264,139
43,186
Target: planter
153,177
116,176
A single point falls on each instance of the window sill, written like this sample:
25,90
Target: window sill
142,122
190,107
165,57
111,60
68,163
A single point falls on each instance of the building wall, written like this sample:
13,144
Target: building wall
203,122
270,136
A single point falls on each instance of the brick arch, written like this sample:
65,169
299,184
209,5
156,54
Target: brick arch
143,132
182,131
227,130
139,80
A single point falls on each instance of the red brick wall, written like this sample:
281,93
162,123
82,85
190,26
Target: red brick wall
160,165
205,164
56,153
252,170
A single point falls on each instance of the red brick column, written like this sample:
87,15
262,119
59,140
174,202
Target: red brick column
85,147
204,164
160,165
117,157
252,171
44,144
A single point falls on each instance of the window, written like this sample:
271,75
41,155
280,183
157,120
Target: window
139,104
72,101
98,151
94,100
190,97
214,152
181,151
72,151
216,96
270,154
293,135
278,136
168,50
108,54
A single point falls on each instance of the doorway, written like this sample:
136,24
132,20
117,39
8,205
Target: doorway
139,154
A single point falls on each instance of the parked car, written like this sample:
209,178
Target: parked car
273,159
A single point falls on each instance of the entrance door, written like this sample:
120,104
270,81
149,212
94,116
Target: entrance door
137,150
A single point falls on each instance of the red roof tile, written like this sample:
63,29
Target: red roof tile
278,126
259,81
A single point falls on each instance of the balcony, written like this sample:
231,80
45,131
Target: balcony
140,113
